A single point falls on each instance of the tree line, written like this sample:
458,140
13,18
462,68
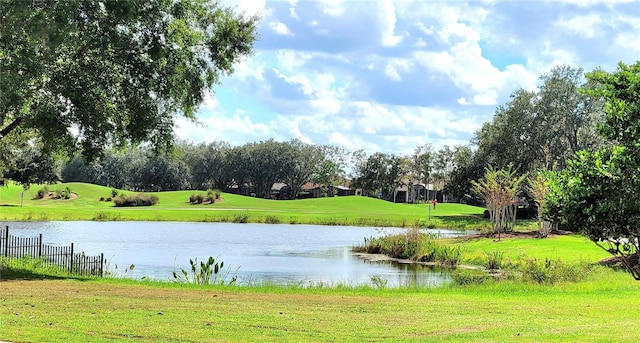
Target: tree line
534,130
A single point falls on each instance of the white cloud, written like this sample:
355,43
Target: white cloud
395,66
387,18
585,25
280,28
248,7
293,14
420,43
334,8
590,3
390,75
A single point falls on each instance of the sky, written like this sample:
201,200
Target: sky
388,76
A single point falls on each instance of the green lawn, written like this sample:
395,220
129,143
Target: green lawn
174,206
600,309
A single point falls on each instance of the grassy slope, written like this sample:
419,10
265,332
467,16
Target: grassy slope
173,206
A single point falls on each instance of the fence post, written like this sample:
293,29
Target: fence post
101,264
71,264
6,241
40,246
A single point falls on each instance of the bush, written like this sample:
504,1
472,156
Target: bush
205,273
114,192
213,194
463,277
42,192
553,271
271,220
412,245
448,255
141,199
494,260
241,218
196,199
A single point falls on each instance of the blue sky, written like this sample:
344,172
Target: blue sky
387,76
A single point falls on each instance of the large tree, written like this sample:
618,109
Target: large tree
92,73
598,192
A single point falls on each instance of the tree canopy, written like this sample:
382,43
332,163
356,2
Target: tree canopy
89,73
598,191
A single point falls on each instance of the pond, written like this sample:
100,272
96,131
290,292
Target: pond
306,255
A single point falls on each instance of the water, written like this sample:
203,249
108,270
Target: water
256,253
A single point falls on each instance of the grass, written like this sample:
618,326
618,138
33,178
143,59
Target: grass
568,248
175,206
125,310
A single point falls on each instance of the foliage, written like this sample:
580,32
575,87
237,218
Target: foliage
42,192
533,130
116,71
412,245
271,220
381,174
494,259
598,192
553,271
466,277
142,199
499,189
538,187
205,273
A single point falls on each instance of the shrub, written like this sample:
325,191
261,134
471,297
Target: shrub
205,273
114,192
553,271
464,277
195,198
101,199
271,220
141,199
213,194
494,259
241,218
411,245
448,255
42,192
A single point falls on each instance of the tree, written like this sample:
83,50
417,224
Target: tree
303,161
538,187
207,163
466,167
94,73
565,115
33,166
330,172
421,166
164,172
499,188
442,167
598,192
381,174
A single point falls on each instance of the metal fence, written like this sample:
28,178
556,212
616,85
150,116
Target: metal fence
63,256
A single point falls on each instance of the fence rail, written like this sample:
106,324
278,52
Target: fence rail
62,256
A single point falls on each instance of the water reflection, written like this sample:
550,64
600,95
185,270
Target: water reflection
257,253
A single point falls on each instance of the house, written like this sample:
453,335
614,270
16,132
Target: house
421,192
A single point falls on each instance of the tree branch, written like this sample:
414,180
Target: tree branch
10,127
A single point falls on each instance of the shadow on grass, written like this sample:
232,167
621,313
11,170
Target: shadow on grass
19,270
469,222
7,274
